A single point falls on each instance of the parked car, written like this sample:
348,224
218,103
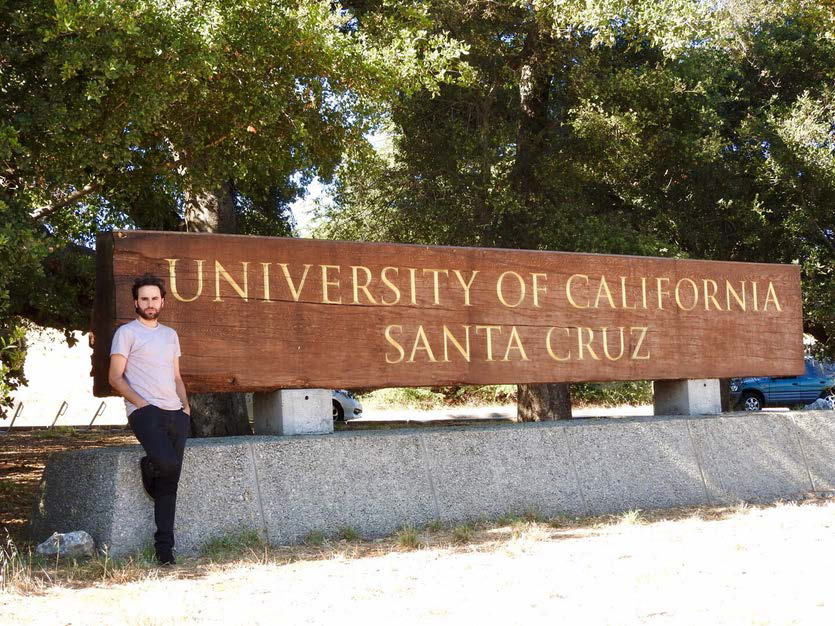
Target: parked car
345,405
755,393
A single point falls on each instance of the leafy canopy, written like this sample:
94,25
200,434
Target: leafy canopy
112,112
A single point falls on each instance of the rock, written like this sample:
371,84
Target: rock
76,544
821,404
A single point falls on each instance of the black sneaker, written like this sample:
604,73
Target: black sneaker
165,558
147,478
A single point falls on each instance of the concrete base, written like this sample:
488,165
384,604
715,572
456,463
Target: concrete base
293,412
687,397
375,481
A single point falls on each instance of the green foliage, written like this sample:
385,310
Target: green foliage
12,354
582,394
404,397
112,114
666,128
631,393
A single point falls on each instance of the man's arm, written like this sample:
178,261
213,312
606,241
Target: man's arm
180,386
116,378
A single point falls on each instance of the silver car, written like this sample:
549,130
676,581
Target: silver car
345,405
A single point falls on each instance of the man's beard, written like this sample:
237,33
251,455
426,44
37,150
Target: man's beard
147,316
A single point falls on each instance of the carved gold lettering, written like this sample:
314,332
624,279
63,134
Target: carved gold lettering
326,283
710,296
500,290
412,284
604,286
489,334
568,293
660,291
585,343
465,285
550,349
515,343
771,296
296,292
435,285
730,291
172,280
535,288
641,336
754,295
220,271
421,343
395,343
606,344
464,350
395,290
695,289
364,287
644,293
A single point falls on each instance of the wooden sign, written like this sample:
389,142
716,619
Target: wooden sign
262,313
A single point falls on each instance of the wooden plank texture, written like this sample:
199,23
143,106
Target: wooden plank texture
261,313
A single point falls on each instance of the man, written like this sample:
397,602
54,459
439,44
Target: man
145,370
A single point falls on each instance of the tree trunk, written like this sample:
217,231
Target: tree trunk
211,212
545,401
218,415
725,394
215,414
541,403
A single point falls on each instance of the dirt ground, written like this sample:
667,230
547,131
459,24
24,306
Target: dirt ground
22,458
744,565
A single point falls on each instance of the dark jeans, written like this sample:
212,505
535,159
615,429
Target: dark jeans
163,435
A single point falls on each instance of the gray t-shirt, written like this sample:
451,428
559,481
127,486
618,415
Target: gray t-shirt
150,354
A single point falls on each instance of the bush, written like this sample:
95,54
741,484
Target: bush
404,398
612,394
582,394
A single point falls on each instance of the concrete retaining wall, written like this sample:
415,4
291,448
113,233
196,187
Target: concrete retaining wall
376,481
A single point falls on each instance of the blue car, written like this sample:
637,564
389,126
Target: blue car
755,393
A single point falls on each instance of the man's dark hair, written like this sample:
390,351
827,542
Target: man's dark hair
147,280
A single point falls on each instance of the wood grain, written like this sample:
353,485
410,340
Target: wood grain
329,327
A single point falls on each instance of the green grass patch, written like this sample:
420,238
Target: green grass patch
407,537
463,533
435,526
230,546
314,538
348,534
57,432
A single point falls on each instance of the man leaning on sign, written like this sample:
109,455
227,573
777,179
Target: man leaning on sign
145,370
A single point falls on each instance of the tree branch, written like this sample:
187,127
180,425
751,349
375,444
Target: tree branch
48,210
